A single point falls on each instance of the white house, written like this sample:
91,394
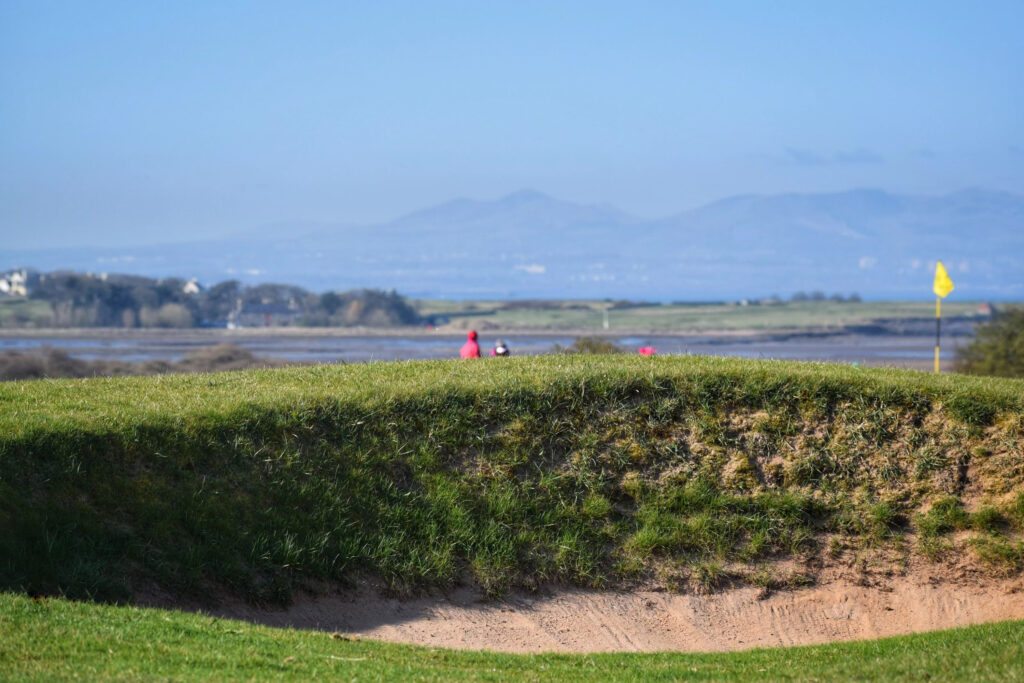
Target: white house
14,283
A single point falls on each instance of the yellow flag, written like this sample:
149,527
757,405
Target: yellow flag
943,285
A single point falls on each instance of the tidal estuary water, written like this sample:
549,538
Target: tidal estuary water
332,346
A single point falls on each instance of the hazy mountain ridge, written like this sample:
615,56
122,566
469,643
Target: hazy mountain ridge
529,209
529,244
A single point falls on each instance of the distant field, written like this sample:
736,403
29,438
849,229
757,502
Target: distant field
57,639
25,311
589,315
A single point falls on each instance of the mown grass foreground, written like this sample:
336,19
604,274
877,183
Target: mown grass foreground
688,472
56,639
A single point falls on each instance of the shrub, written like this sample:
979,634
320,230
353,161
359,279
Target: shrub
998,347
168,315
590,345
56,363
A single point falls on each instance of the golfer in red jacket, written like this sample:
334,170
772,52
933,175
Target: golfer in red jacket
470,349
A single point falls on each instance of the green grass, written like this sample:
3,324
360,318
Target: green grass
588,315
59,639
994,542
587,471
18,312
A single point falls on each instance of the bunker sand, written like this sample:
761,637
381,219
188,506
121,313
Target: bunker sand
594,621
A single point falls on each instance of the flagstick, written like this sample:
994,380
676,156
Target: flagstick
942,287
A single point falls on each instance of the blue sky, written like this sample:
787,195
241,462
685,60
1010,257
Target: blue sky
149,121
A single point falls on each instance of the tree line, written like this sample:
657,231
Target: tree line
88,300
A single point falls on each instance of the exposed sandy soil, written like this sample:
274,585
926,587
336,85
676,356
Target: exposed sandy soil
592,621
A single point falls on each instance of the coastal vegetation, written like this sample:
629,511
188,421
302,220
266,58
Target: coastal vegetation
51,363
65,299
71,299
997,348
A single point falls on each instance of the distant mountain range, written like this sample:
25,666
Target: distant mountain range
530,245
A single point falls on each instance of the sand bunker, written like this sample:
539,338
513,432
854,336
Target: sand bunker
592,621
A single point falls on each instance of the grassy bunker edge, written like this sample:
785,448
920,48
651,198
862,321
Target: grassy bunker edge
687,472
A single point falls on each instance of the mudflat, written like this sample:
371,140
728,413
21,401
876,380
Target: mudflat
910,349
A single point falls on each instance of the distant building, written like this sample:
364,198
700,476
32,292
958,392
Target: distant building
17,282
192,287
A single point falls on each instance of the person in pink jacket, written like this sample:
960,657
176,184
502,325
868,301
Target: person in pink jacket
470,349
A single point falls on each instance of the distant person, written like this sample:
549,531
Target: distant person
500,349
647,350
470,349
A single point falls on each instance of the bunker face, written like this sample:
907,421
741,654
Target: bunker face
593,621
899,496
